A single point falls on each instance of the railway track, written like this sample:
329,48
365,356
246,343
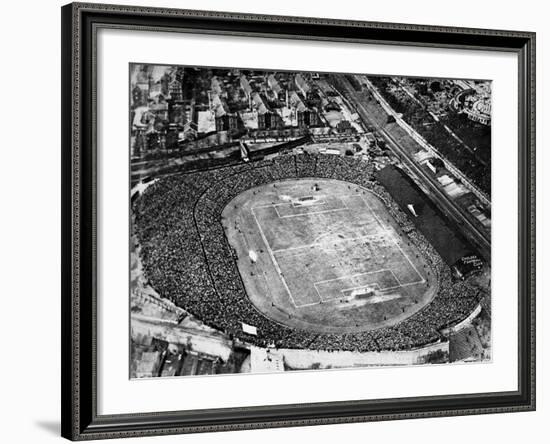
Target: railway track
479,239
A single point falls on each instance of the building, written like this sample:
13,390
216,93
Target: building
302,84
139,145
274,86
172,137
216,86
308,118
143,78
218,105
176,113
227,122
190,130
270,120
139,96
155,91
245,85
345,127
165,81
267,119
250,119
295,102
160,110
175,91
140,92
259,103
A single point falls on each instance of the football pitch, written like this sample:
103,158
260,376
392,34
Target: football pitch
325,255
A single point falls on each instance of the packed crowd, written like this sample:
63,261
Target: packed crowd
188,259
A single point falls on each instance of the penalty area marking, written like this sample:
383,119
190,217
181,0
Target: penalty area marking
317,203
408,284
351,276
360,287
348,289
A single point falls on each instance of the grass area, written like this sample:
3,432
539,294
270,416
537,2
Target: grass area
325,255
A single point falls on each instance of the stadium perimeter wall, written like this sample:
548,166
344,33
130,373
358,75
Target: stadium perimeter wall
464,323
307,359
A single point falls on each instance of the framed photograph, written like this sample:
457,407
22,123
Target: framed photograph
277,221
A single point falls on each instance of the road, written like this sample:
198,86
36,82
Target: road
480,239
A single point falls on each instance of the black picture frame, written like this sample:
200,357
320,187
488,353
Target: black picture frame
80,420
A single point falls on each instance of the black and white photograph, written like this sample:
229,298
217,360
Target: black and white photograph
274,222
290,220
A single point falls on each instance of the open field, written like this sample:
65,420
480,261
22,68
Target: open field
325,255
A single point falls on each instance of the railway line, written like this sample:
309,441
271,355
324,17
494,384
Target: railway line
479,239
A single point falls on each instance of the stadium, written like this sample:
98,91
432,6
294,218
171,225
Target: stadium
310,250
